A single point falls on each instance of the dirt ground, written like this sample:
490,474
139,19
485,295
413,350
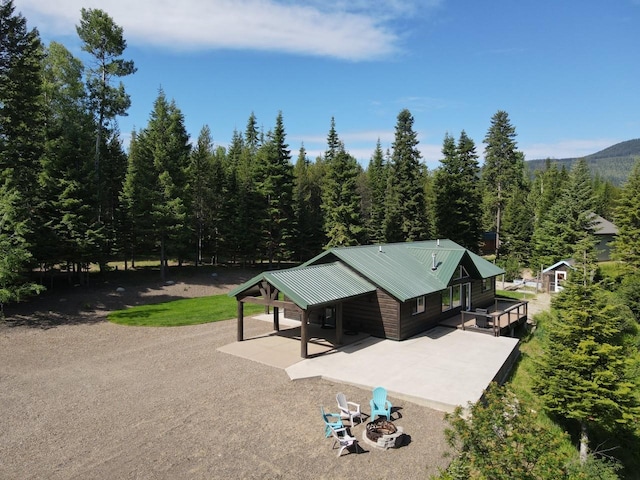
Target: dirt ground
82,398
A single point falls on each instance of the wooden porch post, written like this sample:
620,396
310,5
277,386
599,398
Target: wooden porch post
339,323
240,321
304,334
276,319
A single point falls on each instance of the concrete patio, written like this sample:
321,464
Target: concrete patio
440,368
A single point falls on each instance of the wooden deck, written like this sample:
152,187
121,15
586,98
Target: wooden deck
500,318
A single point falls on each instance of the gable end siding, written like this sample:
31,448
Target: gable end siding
480,299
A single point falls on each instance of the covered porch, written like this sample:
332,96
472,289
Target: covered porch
306,293
497,319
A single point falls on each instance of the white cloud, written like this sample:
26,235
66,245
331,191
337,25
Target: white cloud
340,29
570,148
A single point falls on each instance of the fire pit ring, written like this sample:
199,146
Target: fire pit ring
382,433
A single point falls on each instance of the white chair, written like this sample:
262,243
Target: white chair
348,410
343,439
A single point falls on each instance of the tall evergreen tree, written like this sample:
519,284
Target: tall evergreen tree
502,172
307,205
406,212
137,199
626,246
21,148
333,142
203,181
377,179
252,135
67,209
156,187
499,438
457,196
14,252
586,374
275,185
517,230
341,201
548,185
103,40
568,221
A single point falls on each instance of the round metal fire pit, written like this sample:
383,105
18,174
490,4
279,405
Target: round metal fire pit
382,433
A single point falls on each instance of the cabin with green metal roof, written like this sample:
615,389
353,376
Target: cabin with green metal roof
392,291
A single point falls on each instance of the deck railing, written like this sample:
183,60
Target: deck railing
504,314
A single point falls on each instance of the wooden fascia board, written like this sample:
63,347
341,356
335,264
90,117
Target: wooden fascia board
268,302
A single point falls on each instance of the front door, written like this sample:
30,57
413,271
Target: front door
560,278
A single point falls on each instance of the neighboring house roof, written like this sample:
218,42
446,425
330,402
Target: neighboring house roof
313,285
567,263
404,270
602,226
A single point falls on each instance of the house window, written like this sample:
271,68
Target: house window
418,306
487,284
446,299
456,297
462,273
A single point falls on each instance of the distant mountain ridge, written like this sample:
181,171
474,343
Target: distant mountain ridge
614,163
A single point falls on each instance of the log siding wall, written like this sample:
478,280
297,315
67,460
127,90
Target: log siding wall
381,315
376,314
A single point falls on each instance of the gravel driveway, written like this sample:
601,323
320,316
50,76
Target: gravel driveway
83,398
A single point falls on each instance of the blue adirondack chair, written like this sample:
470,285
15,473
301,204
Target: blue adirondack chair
379,404
332,421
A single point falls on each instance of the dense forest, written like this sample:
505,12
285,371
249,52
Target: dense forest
612,164
71,197
77,198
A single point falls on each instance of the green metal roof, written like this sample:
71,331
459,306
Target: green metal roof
309,286
405,270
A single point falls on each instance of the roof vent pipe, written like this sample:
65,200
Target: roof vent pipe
438,242
433,258
379,248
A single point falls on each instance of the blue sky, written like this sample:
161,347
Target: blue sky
567,72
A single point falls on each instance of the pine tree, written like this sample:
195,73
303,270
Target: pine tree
502,172
69,223
341,201
156,184
21,117
14,252
548,185
103,40
203,181
406,212
333,142
21,149
138,197
586,374
626,246
377,179
500,438
517,229
457,195
275,185
568,221
307,203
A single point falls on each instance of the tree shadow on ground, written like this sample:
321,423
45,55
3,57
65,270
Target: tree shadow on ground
64,304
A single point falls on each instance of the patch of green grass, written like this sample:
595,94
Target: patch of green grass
190,311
